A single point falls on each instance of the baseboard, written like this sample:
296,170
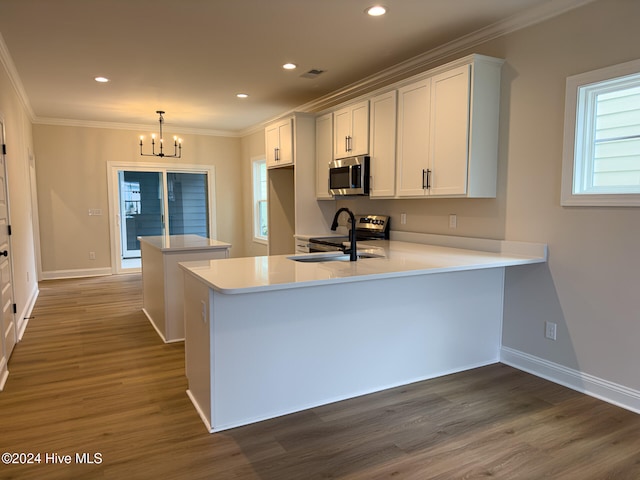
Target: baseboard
582,382
25,315
4,372
203,417
80,273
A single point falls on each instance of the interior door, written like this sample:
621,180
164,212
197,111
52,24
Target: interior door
7,317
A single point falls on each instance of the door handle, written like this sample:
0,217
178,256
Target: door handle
4,253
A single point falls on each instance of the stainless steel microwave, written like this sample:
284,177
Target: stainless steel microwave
349,176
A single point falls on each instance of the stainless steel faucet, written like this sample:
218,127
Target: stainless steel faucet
353,251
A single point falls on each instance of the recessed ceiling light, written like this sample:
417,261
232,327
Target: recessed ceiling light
289,66
242,95
376,10
101,79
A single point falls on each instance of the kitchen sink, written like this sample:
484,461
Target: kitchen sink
330,257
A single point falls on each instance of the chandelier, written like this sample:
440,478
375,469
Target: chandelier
177,143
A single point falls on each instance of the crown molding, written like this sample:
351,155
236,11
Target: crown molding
414,65
62,122
12,72
422,62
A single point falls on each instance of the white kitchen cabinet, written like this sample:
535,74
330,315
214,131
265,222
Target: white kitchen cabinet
448,131
351,130
383,145
279,143
414,117
324,155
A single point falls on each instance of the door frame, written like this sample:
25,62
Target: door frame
164,168
4,353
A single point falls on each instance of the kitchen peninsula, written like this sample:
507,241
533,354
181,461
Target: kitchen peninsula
267,336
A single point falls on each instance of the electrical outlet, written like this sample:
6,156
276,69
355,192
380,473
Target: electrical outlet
453,221
403,219
550,330
92,255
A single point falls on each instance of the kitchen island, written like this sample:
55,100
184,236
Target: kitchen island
162,287
267,336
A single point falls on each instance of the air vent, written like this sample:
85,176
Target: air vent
313,73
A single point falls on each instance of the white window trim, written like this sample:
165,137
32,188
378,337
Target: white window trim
254,213
569,170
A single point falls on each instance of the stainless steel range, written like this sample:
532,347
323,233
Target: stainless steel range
368,227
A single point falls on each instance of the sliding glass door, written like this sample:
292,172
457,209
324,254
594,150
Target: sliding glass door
141,209
152,201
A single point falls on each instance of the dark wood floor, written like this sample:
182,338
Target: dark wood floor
92,377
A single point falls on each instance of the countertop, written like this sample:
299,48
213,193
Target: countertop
175,243
399,258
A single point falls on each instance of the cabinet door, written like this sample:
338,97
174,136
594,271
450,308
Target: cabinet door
324,155
342,132
279,143
413,138
359,144
272,143
383,145
285,133
449,132
351,130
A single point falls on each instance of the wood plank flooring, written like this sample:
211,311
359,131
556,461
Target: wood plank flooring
91,376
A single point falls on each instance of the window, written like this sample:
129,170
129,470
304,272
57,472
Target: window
601,158
260,226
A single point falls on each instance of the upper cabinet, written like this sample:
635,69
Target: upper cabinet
351,130
324,155
414,117
279,143
383,145
448,131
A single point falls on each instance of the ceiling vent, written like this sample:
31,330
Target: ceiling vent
313,73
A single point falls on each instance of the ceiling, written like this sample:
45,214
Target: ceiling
190,57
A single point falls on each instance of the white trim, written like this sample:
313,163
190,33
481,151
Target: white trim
63,122
164,168
26,313
573,84
4,372
254,161
203,417
76,273
591,385
7,61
